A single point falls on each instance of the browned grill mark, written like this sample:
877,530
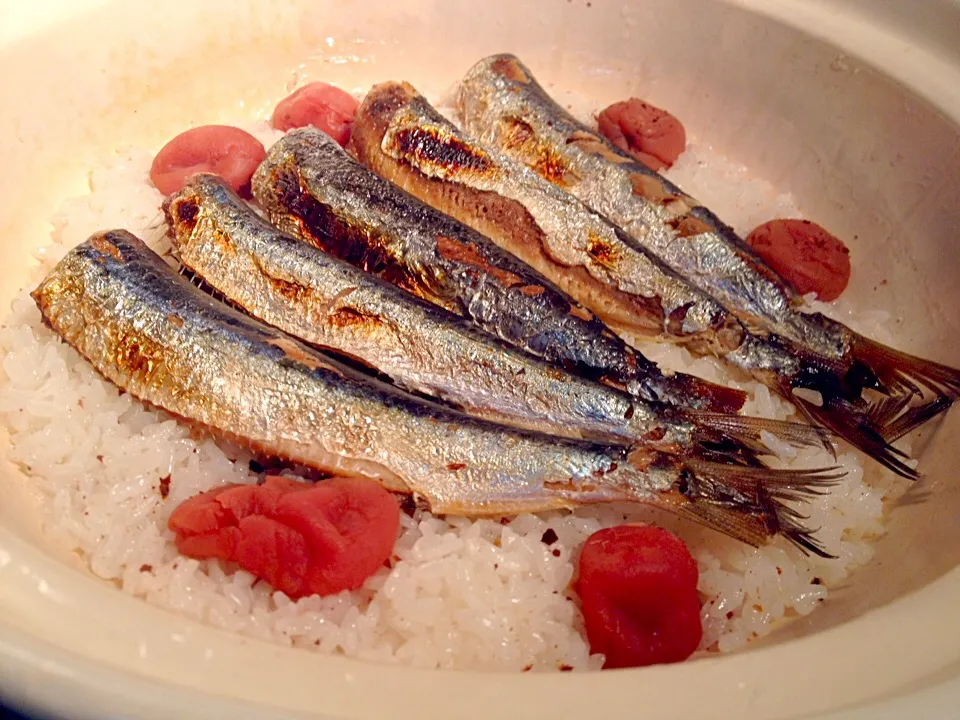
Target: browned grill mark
103,245
385,99
294,292
455,466
351,317
512,227
552,167
319,225
510,68
601,251
291,291
182,214
429,147
187,210
223,242
466,253
687,226
545,160
137,356
554,373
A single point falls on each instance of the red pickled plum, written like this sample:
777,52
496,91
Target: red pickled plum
302,539
638,586
651,135
323,106
805,255
229,152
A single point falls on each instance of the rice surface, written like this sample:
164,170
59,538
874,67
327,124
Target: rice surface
459,593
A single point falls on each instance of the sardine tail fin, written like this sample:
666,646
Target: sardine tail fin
754,505
917,390
748,432
908,418
897,373
857,424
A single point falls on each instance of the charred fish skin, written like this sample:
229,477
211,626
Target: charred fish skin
330,303
152,333
399,135
145,328
402,137
314,190
501,102
502,105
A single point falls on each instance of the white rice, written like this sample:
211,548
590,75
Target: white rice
459,593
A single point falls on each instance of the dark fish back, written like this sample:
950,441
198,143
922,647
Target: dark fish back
310,187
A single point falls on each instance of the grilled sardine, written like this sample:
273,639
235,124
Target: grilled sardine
503,105
330,303
148,330
398,134
313,189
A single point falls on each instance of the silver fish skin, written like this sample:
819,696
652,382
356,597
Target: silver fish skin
145,328
316,191
330,303
581,251
502,104
400,136
152,333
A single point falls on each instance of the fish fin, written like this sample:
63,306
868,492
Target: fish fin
884,411
749,528
914,417
747,431
852,422
707,395
753,505
780,484
898,373
916,391
753,528
156,236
